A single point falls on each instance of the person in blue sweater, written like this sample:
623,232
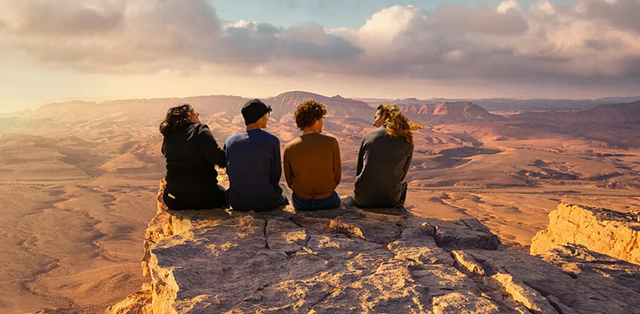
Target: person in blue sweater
254,164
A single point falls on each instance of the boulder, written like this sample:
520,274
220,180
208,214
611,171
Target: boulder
600,230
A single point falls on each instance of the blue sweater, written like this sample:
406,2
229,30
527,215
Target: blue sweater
254,168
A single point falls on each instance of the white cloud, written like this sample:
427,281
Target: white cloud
591,40
384,26
543,7
507,5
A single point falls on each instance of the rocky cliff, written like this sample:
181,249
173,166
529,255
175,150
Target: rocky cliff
350,261
600,230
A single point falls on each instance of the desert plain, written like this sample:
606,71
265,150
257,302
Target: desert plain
78,179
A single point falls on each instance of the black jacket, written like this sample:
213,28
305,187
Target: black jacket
191,153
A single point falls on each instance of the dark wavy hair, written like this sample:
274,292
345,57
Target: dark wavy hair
177,117
308,112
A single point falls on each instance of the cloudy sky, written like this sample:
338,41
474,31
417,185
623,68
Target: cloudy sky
107,49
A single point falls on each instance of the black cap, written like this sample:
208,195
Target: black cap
253,110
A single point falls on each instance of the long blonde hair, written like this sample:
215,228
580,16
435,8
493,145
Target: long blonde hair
397,122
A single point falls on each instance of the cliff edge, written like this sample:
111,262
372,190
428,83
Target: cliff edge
350,261
600,230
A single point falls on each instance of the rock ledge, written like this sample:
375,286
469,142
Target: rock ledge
600,230
350,261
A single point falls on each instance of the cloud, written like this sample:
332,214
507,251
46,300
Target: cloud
504,43
483,19
621,14
39,17
589,40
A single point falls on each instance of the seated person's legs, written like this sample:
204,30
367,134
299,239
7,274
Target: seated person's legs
330,202
283,201
210,199
384,203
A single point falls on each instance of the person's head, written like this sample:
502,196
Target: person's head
382,113
309,116
397,123
177,117
255,114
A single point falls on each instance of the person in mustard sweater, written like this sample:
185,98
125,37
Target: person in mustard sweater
312,161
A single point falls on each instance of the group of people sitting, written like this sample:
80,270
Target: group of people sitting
311,161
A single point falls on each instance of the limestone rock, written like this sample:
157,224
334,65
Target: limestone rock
567,277
464,234
139,302
463,303
600,230
351,261
465,261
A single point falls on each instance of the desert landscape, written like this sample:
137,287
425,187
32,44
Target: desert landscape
78,179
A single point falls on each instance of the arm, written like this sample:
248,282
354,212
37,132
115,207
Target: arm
407,164
337,166
214,154
360,159
275,170
288,171
164,149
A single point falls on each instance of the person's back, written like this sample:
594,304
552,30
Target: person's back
187,165
254,163
191,153
384,160
253,166
383,163
313,163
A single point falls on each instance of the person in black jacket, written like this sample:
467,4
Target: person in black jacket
191,153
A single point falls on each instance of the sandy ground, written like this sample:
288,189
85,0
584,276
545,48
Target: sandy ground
73,246
75,200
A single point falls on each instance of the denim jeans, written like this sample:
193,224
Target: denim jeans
330,202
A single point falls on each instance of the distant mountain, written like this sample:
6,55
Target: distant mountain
617,113
136,109
449,113
336,105
600,114
374,102
511,104
228,106
132,110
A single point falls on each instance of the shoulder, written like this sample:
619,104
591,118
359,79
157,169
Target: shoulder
199,129
270,137
327,138
380,131
376,133
233,138
293,142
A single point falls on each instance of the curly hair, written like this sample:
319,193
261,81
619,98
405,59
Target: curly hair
177,116
308,112
397,122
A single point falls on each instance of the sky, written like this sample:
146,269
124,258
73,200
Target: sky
62,50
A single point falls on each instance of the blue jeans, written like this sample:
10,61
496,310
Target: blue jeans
330,202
